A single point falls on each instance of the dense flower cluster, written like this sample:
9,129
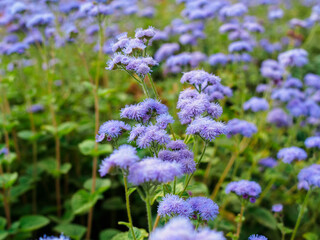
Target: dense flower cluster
245,189
309,177
237,126
61,237
292,153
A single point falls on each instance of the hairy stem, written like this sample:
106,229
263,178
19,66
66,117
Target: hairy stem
128,205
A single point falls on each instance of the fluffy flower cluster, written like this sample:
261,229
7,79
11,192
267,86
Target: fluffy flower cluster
207,128
123,158
309,177
271,69
179,154
182,228
153,170
279,118
277,207
193,104
61,237
200,79
268,162
111,129
292,153
294,57
256,104
245,189
313,142
173,205
237,126
257,237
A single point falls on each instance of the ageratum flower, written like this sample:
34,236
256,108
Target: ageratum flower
206,128
40,20
166,50
256,104
253,27
111,129
208,234
292,153
173,205
277,208
235,10
19,48
200,79
296,57
268,162
163,120
271,69
257,237
123,158
145,34
146,136
312,142
205,207
143,111
177,145
279,117
286,94
240,46
153,170
275,14
312,80
237,126
263,88
35,108
309,177
218,59
17,7
245,189
61,237
4,151
217,92
176,228
292,82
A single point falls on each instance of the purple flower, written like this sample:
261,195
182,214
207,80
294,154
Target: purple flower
35,108
145,33
253,27
217,92
257,237
163,120
61,237
240,46
277,208
309,177
4,151
295,57
292,153
123,158
176,145
275,14
237,126
205,207
166,50
173,205
293,83
235,10
278,117
145,171
176,228
206,128
312,80
271,69
112,128
268,162
218,59
256,104
286,94
244,188
152,135
312,142
263,88
200,79
40,20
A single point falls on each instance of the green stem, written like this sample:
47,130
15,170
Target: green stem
128,205
240,221
300,214
149,215
266,190
153,87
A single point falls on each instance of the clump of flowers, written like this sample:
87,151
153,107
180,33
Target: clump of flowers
257,237
309,177
245,189
292,153
237,126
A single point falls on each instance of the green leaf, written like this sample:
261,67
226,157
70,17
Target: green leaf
32,222
66,127
3,223
8,179
139,233
131,190
3,234
50,129
64,169
310,236
50,166
108,233
28,135
121,236
74,231
102,185
87,148
283,229
263,216
8,159
82,201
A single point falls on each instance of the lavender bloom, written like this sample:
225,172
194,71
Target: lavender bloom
208,234
278,117
145,171
257,237
164,120
294,57
297,108
40,20
200,79
236,126
19,48
292,153
111,129
240,46
286,94
123,158
275,14
176,145
165,51
206,128
263,88
256,104
173,205
309,177
205,207
218,59
235,10
254,27
35,108
271,69
217,92
61,237
145,34
277,208
152,135
17,7
4,151
268,162
176,228
312,80
293,83
229,27
312,142
244,188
